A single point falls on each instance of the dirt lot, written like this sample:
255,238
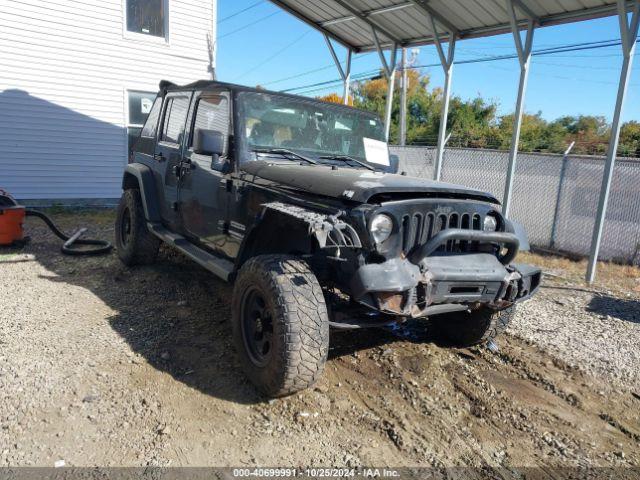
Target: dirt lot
104,365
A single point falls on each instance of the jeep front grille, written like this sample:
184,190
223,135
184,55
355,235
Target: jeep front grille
419,227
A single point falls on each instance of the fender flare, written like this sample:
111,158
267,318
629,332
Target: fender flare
319,225
327,231
143,176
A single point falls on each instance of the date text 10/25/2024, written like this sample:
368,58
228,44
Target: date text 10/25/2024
316,472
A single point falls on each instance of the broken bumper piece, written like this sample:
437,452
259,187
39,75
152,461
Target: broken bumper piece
445,282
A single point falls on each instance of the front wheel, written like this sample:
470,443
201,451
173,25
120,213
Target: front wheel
465,329
135,244
280,324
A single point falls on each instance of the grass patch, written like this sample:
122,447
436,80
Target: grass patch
609,276
100,217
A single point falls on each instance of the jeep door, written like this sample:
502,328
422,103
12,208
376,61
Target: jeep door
168,153
203,195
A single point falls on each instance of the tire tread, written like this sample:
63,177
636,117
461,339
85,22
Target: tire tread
144,247
466,329
301,312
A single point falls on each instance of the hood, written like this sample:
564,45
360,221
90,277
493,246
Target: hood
356,184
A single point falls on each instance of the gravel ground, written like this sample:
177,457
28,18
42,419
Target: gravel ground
595,331
104,365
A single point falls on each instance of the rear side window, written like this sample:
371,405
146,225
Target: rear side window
151,125
212,113
175,113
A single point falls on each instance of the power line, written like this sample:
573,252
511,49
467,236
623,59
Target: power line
315,70
331,83
560,77
545,51
271,57
358,76
430,65
244,27
573,65
228,17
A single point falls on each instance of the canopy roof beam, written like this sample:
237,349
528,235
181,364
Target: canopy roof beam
431,13
524,58
327,17
368,20
383,60
313,24
345,73
524,8
628,35
367,13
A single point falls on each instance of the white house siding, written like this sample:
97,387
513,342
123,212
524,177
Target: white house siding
65,69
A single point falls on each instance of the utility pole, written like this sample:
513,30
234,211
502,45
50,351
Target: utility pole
403,100
406,64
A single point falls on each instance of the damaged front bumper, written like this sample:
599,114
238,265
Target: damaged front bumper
428,282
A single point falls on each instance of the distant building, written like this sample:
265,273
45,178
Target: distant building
77,78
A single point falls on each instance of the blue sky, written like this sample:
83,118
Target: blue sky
572,83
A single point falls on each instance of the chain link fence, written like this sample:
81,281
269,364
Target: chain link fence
555,196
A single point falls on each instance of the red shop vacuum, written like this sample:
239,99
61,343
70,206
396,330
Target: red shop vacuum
12,218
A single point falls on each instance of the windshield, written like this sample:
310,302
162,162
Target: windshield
327,133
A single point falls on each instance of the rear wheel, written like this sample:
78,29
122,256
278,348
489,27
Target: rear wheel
465,329
135,244
280,324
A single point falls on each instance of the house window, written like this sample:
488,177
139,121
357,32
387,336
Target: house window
148,17
140,106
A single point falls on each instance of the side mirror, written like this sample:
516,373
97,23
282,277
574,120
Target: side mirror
208,142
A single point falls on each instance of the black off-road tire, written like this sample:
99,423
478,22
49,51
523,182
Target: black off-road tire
135,244
294,324
465,329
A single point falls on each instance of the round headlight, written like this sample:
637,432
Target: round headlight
381,227
490,223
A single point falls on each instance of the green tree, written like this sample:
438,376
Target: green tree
470,120
474,122
630,139
536,134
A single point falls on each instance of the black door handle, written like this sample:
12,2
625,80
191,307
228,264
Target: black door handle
158,156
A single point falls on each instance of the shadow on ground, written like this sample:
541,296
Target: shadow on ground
176,315
622,309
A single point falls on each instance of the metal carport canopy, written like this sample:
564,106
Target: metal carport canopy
407,23
363,26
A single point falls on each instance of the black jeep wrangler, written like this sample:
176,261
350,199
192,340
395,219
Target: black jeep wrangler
298,203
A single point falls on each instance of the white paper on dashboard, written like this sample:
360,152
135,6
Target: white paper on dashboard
376,151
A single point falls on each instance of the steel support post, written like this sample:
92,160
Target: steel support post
628,34
345,73
391,80
447,67
347,79
390,72
524,58
403,99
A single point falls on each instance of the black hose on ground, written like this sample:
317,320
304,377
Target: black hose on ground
102,246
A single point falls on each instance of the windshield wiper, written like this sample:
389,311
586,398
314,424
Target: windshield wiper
347,158
283,152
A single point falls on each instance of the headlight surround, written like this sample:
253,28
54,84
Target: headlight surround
490,223
381,227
